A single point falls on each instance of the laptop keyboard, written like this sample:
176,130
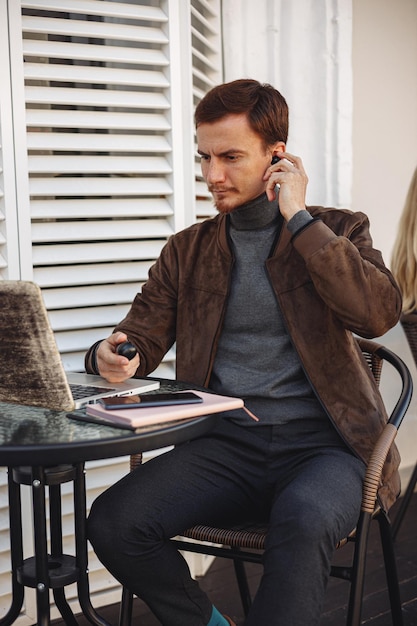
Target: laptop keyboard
83,391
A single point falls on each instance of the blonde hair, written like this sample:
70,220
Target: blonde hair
404,255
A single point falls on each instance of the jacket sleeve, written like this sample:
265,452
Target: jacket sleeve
152,319
349,274
150,323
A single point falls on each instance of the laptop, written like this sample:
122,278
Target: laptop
31,369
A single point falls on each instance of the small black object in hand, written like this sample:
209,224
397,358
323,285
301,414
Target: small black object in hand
126,349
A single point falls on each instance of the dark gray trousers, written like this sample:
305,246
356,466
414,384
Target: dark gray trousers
301,475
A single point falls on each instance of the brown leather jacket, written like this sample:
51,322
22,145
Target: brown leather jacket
329,282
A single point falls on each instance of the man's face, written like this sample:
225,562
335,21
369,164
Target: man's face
233,161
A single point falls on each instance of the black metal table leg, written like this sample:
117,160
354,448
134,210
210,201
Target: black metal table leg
57,556
80,520
44,571
16,550
41,547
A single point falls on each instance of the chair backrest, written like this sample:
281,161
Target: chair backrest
409,323
374,360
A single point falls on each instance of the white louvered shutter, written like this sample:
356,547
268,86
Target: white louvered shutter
206,43
97,170
108,91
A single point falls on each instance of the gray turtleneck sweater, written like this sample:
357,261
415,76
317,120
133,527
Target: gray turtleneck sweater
255,358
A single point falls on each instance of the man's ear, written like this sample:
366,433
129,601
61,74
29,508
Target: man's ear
276,150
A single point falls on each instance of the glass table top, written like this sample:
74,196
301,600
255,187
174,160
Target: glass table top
34,435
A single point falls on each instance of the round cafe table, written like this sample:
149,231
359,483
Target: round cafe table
43,449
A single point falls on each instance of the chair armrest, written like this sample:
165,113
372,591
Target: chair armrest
378,457
373,473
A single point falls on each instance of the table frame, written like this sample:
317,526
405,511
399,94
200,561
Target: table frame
41,467
43,571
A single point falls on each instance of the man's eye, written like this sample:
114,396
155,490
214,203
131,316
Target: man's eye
204,157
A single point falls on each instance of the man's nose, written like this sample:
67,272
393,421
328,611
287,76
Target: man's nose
215,172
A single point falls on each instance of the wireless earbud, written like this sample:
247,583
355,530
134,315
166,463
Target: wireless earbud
275,159
126,349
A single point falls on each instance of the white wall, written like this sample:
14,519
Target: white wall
384,55
303,48
384,61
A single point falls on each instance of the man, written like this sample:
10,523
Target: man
262,301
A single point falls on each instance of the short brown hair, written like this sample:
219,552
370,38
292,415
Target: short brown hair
265,107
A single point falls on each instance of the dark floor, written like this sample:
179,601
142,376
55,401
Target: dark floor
219,582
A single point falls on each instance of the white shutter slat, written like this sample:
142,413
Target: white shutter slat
202,191
99,230
85,318
202,77
197,92
204,60
117,10
119,142
97,164
95,252
89,97
93,295
105,54
93,28
81,338
206,209
204,41
92,274
121,186
204,24
95,75
96,119
104,207
211,8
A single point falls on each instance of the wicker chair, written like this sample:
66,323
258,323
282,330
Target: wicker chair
246,542
409,324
